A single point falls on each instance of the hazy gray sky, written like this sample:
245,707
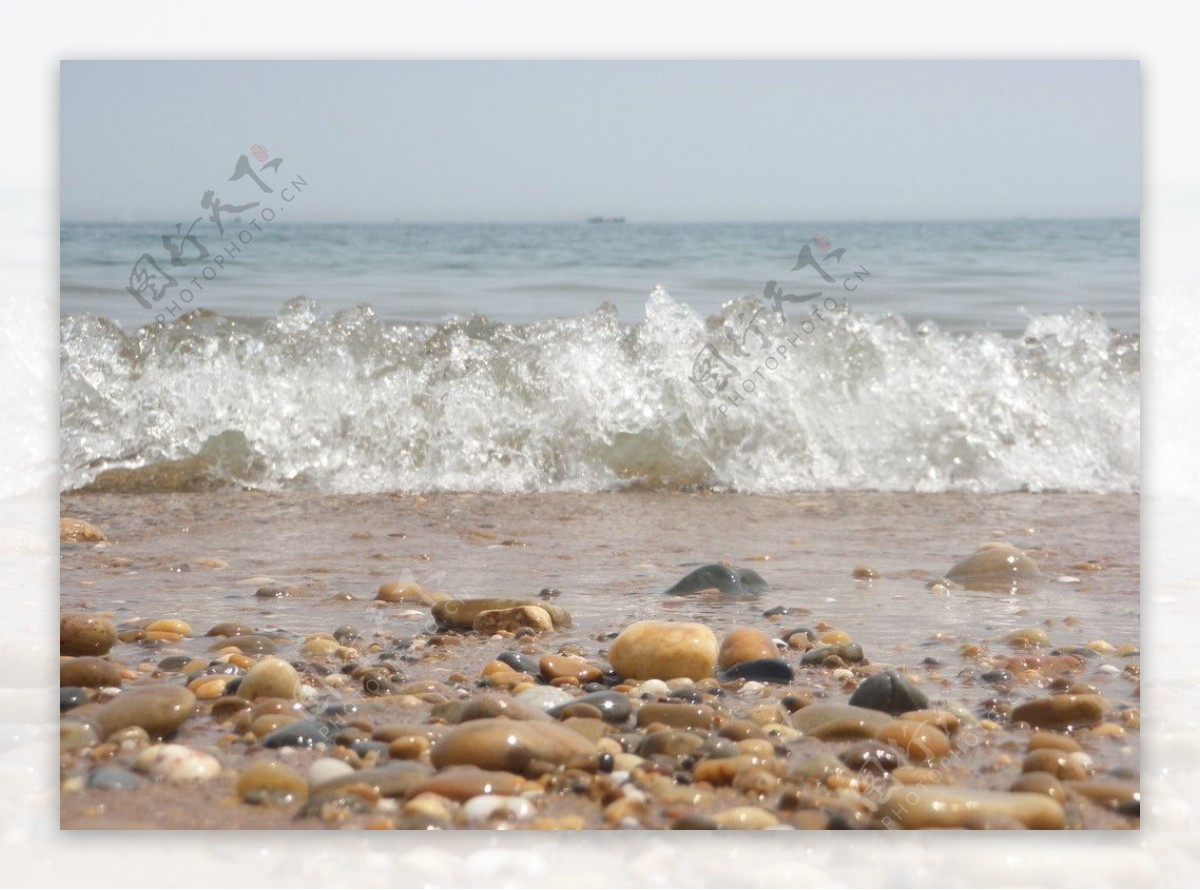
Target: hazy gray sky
648,140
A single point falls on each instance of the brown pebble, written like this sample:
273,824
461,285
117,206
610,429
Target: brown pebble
554,667
1057,763
462,612
88,671
271,782
1053,740
1060,711
517,746
949,806
76,531
1040,783
662,650
676,714
159,709
920,741
80,634
462,783
533,619
745,644
270,678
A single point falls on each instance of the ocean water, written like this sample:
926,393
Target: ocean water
925,356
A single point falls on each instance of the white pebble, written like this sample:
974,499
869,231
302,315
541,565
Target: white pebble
544,697
650,689
1108,669
178,763
325,768
484,806
1067,579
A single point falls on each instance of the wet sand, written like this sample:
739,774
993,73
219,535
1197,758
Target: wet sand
202,557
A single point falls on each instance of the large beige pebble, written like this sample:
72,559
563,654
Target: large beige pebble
994,564
78,531
1061,711
648,650
462,613
492,621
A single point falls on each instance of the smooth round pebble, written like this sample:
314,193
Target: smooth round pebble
159,709
664,650
81,634
178,763
889,692
271,782
270,678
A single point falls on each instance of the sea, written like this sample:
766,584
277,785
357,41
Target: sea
763,358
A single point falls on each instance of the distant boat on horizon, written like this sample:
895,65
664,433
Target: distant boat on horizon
606,219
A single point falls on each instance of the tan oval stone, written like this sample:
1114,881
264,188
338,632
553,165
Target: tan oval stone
1027,638
1040,783
994,564
920,741
462,613
158,709
829,720
171,625
947,721
1055,740
1061,711
270,678
949,806
407,592
271,782
80,634
1057,763
463,783
648,650
555,667
745,644
515,746
77,531
744,818
493,621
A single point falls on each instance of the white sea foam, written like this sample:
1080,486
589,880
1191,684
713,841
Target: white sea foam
348,403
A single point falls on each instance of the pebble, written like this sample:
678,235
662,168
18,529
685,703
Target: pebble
889,692
745,644
993,565
920,741
1055,740
878,757
462,613
662,650
171,625
76,531
272,783
89,671
849,653
70,697
723,578
678,716
744,818
1125,799
613,706
80,634
301,734
159,709
75,736
509,745
326,769
249,644
465,782
1060,711
1040,783
270,678
178,763
760,670
556,667
519,662
493,621
229,629
266,593
947,806
545,698
1060,764
407,592
479,810
827,720
112,778
1027,638
864,573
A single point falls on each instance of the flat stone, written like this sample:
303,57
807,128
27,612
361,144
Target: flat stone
70,697
662,650
462,613
920,741
159,709
614,707
76,531
557,667
513,746
81,634
946,806
272,783
464,782
829,720
721,578
887,691
301,734
88,671
1061,711
112,778
679,716
249,644
994,566
492,621
178,763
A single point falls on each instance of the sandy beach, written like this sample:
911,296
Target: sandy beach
844,568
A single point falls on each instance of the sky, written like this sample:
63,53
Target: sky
549,141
